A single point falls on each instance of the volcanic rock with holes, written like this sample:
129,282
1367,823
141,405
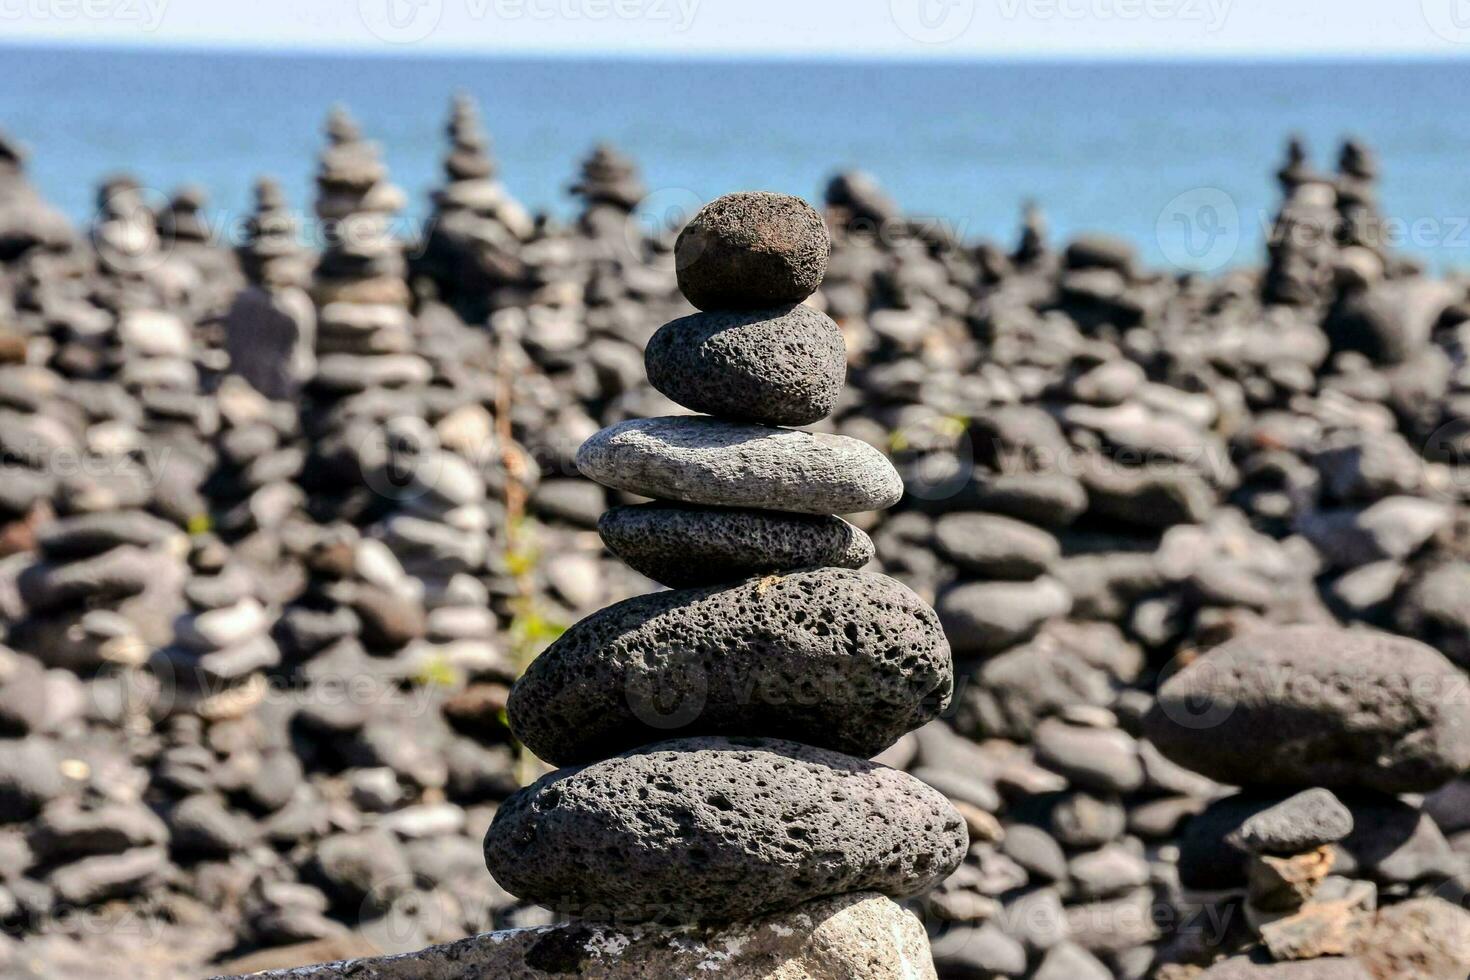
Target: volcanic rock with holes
719,732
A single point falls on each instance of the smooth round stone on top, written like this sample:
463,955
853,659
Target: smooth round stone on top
683,546
716,829
833,657
752,249
702,460
781,366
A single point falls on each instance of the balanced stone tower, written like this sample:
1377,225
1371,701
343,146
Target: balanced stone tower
716,735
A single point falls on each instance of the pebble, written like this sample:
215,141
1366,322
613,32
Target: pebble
1296,825
749,825
709,461
690,546
751,250
836,658
1101,759
994,547
984,618
782,366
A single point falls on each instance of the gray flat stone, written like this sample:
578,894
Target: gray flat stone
689,546
781,366
719,829
1302,823
838,658
700,460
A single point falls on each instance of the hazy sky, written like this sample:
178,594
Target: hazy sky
899,28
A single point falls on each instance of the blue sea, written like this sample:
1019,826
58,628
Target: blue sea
1168,155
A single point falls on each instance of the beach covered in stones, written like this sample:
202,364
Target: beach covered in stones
285,519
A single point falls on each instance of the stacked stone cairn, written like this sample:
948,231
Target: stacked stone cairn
270,329
26,221
472,243
105,588
715,735
610,189
222,643
1303,243
185,235
1326,731
362,262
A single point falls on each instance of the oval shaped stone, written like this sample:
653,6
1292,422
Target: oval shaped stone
752,249
690,546
701,460
715,829
842,659
782,366
1312,706
992,546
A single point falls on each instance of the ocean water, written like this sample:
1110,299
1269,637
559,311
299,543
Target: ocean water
1177,157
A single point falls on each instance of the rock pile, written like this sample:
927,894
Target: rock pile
270,329
106,588
1324,730
707,727
610,189
473,240
362,262
26,220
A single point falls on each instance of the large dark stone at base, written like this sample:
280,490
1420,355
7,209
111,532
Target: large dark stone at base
782,366
690,546
1311,706
844,659
720,829
750,250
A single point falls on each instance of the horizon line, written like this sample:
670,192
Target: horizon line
655,54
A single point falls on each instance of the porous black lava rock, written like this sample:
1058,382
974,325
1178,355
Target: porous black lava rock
782,366
690,546
752,249
701,460
1310,706
838,658
712,829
